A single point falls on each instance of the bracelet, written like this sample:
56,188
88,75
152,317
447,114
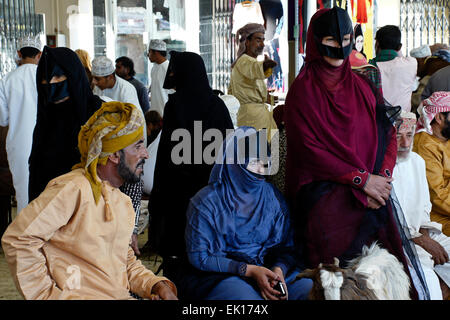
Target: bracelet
242,269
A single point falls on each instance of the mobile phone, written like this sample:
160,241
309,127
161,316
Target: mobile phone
279,287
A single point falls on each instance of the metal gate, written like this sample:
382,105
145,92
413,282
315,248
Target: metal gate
217,41
424,22
223,43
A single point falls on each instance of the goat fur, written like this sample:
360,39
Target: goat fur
385,274
374,275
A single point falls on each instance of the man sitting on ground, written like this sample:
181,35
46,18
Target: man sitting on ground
411,188
431,143
73,241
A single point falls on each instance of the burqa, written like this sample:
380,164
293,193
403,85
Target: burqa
55,137
175,184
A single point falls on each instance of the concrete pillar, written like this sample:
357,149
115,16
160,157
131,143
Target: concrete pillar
311,9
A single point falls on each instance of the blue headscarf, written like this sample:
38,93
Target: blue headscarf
444,54
238,215
244,192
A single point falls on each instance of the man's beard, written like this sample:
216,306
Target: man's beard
125,172
403,154
258,51
446,131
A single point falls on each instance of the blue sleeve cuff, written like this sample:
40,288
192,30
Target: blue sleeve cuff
239,268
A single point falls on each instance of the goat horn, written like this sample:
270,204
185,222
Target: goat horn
336,262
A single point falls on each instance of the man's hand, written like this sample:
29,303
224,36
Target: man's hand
269,63
438,253
378,188
279,272
162,291
264,278
134,244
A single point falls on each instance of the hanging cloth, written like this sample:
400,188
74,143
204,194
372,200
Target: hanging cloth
361,10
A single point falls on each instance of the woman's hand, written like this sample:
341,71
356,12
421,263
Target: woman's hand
378,188
264,277
372,203
279,272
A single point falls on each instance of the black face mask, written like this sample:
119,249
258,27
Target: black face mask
335,23
58,91
54,92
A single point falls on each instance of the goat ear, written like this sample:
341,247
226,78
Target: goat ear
336,262
307,273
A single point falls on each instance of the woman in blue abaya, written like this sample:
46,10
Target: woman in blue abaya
238,235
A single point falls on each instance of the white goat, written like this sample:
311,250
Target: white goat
374,275
385,274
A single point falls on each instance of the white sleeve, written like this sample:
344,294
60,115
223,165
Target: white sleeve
4,110
164,92
132,96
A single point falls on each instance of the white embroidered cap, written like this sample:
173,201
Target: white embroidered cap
421,52
28,41
102,67
157,45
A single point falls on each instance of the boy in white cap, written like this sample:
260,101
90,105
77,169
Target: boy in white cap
18,108
157,52
107,84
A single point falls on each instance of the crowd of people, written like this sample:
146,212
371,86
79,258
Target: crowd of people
351,157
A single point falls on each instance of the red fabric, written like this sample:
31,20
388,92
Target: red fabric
330,230
361,14
356,178
300,18
320,4
390,156
330,122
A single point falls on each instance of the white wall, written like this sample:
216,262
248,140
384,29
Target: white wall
388,12
81,26
192,26
56,15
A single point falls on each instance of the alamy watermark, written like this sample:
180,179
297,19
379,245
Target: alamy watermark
73,282
207,147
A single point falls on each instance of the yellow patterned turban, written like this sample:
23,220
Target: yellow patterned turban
112,128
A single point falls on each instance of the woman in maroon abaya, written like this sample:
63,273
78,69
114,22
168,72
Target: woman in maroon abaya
341,150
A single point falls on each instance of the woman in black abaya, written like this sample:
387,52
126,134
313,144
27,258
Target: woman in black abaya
175,184
65,103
